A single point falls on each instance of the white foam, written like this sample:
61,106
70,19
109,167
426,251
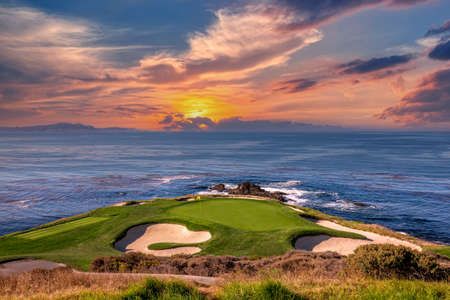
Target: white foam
295,195
229,186
288,183
168,179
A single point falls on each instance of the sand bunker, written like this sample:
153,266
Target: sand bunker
24,265
345,246
138,238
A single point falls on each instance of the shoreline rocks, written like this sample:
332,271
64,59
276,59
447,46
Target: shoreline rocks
249,188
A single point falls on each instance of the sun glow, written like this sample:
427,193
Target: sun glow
193,107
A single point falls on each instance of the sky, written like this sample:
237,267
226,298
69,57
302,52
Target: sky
190,65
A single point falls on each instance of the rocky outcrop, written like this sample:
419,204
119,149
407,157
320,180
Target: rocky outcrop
219,187
249,188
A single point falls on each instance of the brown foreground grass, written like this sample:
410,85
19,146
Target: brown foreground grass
267,284
58,283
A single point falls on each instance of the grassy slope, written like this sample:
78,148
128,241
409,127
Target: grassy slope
239,227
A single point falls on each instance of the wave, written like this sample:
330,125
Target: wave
169,179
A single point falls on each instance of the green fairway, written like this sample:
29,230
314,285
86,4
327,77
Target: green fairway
239,227
40,233
249,215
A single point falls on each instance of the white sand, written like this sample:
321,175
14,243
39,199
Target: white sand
138,238
24,265
345,246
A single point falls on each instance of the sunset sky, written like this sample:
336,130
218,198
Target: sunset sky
203,65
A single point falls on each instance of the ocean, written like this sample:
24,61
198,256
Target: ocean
402,177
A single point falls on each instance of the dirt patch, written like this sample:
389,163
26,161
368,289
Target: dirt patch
24,265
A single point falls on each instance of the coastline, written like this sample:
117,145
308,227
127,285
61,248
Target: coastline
305,212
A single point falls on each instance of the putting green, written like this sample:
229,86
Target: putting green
36,234
243,214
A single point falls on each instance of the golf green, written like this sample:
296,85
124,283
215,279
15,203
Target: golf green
248,215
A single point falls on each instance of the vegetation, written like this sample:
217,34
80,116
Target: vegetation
65,285
239,227
164,246
40,233
387,261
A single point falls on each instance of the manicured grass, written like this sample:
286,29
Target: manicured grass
239,227
246,215
164,246
442,250
40,233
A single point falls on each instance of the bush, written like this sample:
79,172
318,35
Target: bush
129,262
158,289
389,261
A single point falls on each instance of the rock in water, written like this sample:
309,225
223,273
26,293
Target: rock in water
219,187
249,188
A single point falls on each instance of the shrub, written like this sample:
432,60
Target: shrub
389,261
157,289
129,262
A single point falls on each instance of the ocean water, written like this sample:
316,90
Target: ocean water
404,178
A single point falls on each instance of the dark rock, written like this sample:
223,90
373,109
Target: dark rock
360,204
219,187
249,188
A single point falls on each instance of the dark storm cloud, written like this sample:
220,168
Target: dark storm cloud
439,30
295,85
441,51
359,66
430,102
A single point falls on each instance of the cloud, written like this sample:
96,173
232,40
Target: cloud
238,42
167,120
441,51
36,46
444,28
76,92
190,124
136,109
309,13
294,85
236,124
428,103
359,66
7,114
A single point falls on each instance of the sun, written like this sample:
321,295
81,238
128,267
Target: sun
193,107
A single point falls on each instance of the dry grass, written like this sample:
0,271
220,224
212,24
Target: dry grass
43,284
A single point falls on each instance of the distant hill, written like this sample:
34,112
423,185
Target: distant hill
59,127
